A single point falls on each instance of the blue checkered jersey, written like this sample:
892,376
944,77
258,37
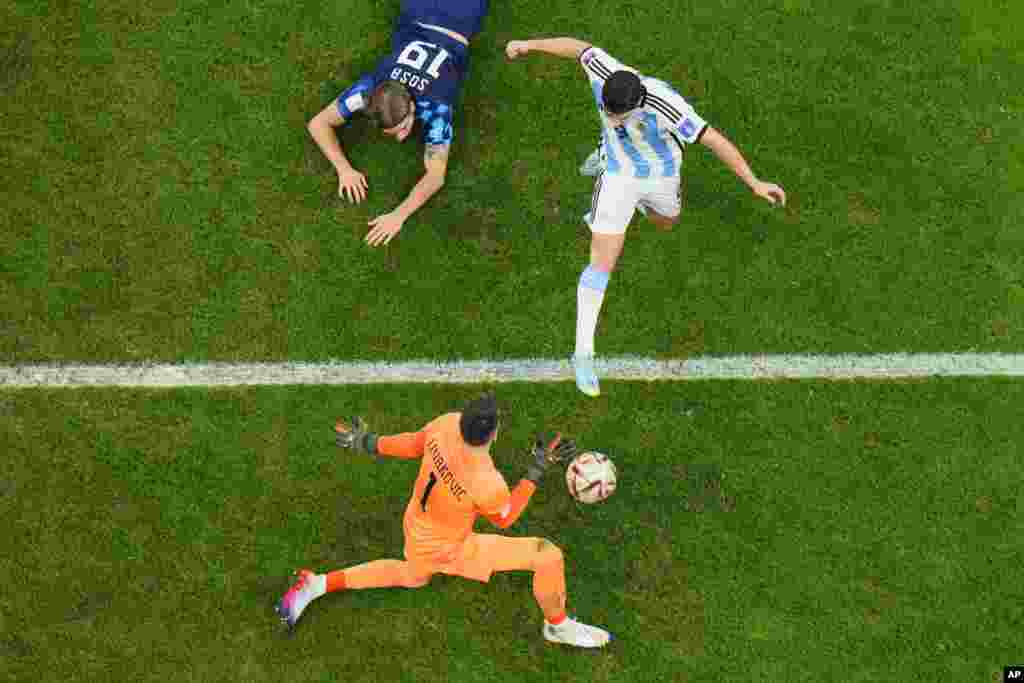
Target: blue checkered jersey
651,141
462,16
431,64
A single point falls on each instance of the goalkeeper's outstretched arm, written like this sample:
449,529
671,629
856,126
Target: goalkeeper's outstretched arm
356,436
547,449
516,504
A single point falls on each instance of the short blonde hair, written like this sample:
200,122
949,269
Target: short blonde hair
389,104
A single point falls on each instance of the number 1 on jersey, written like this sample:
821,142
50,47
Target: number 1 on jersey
426,491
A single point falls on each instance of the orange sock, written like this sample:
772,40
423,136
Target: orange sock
549,588
336,581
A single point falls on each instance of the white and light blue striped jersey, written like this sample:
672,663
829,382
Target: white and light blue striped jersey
650,143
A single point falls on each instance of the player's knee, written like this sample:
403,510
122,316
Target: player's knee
414,580
547,552
417,581
604,251
663,222
604,262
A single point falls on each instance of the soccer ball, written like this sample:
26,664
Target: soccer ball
591,477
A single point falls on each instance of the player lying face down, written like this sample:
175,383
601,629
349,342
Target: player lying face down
417,83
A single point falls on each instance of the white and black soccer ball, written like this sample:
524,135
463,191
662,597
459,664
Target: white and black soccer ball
591,477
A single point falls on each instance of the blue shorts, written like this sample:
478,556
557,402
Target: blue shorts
461,16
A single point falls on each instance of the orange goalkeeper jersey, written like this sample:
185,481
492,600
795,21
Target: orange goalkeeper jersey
453,487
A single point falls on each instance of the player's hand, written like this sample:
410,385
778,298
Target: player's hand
548,449
352,435
515,48
770,192
352,185
384,228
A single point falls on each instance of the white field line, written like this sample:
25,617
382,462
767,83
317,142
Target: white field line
748,367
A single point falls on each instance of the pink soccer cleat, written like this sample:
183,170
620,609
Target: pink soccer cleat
308,587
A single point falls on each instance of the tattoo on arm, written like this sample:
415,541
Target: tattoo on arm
435,160
434,152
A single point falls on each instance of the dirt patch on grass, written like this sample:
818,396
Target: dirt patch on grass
861,213
15,646
684,344
883,600
1000,328
16,61
679,618
90,605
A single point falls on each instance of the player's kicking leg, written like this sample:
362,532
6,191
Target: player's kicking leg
611,210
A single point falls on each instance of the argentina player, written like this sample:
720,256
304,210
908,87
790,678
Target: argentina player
417,82
645,127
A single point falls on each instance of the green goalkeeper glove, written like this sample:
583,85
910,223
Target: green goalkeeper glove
547,449
355,436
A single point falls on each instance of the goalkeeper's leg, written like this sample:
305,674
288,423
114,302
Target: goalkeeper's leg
376,574
545,560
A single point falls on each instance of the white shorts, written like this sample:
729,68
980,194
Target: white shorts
617,196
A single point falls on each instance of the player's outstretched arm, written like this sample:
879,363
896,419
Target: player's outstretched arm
731,157
386,226
570,48
354,435
547,450
351,183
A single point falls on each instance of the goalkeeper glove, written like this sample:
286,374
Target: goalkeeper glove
355,436
547,449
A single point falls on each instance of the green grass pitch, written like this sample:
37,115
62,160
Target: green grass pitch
871,533
163,201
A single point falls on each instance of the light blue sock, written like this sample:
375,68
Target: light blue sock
589,297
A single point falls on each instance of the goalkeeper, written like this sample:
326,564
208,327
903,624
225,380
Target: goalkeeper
457,482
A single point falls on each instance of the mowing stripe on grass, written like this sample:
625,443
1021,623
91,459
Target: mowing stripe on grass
750,367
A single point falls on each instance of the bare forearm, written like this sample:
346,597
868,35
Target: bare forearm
426,188
570,48
326,139
731,157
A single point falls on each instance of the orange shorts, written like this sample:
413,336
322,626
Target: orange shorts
479,556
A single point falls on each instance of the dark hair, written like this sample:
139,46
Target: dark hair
479,420
622,92
389,103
